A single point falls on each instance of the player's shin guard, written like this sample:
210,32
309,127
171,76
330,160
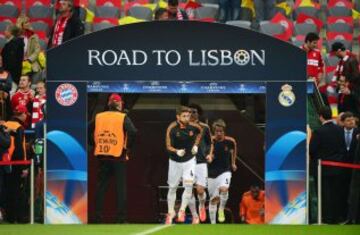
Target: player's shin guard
212,213
223,199
202,199
171,197
192,206
186,196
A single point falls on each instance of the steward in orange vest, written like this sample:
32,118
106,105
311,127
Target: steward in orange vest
16,205
252,206
113,136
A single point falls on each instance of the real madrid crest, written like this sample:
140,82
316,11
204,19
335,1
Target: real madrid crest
286,96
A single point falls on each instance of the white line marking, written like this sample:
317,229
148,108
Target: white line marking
155,229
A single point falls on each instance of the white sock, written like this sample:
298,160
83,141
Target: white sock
192,206
212,213
171,197
186,196
223,199
202,199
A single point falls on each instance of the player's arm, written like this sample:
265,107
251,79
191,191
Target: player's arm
199,133
130,131
91,128
210,155
233,155
170,138
243,209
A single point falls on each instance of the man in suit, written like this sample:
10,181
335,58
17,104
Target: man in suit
327,143
350,143
354,194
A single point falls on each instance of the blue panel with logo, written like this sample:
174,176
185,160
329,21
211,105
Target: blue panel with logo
285,164
66,153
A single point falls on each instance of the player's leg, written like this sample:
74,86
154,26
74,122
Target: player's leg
192,207
174,175
188,176
214,199
224,182
201,183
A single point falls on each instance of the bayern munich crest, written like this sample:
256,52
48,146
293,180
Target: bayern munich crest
286,96
66,94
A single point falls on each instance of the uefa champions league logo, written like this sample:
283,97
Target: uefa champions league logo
287,96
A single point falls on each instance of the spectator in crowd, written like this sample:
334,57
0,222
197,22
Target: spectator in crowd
4,145
38,103
252,206
174,12
13,52
315,65
15,204
5,88
229,10
24,96
161,14
67,25
264,9
327,143
347,74
32,47
113,136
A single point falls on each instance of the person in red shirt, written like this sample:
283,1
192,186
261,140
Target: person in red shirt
252,206
67,26
38,103
315,64
24,96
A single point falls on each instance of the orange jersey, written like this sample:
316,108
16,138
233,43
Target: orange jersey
251,209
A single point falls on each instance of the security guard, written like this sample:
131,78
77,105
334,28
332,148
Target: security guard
15,204
113,136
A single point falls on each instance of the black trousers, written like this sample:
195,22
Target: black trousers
332,199
107,169
17,196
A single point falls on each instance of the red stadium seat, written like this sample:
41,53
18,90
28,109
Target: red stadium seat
340,3
113,21
9,19
30,3
128,5
340,19
339,36
48,21
114,3
16,3
303,18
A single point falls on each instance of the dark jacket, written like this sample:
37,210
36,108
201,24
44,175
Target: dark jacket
4,140
6,84
13,55
354,196
327,143
73,28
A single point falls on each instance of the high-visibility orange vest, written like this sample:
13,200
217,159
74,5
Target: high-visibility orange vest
109,134
250,208
14,126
